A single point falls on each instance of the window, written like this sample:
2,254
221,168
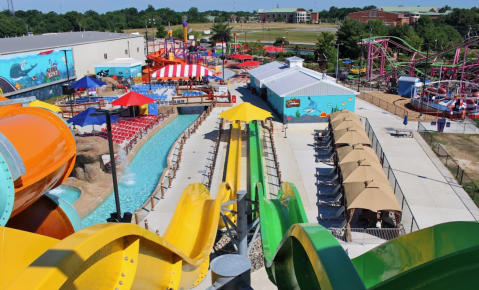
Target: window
126,51
105,56
373,13
137,49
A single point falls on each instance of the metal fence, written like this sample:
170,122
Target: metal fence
369,235
459,174
408,221
466,126
169,173
395,109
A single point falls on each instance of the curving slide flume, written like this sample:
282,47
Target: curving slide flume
104,256
233,173
299,255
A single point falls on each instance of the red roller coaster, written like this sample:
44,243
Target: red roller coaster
390,56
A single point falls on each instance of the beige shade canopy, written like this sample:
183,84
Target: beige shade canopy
372,195
341,125
354,153
338,115
362,170
351,135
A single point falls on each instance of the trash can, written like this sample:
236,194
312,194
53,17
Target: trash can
441,123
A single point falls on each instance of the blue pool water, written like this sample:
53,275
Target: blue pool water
67,193
143,173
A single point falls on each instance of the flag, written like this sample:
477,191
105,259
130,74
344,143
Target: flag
189,31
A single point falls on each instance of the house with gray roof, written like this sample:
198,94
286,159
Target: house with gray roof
298,94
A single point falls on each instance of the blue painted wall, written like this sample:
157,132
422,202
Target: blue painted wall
123,72
23,71
313,109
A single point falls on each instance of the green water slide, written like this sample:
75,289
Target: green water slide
300,255
444,256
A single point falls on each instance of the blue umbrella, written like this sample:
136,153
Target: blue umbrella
405,121
87,82
84,118
212,54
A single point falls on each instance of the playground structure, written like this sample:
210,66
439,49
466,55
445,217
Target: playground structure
459,62
298,254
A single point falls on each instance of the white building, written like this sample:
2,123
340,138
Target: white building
87,48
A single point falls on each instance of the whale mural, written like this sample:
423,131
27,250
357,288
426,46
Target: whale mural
27,71
18,71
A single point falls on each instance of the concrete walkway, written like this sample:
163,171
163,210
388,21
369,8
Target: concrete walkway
426,183
193,168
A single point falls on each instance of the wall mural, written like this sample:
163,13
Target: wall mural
316,108
27,70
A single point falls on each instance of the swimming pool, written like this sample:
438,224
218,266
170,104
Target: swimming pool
143,173
66,193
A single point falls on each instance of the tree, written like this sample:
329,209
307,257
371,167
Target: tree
349,34
325,45
160,31
297,51
378,28
221,33
255,47
178,33
445,8
280,41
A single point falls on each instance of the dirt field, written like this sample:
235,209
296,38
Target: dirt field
463,148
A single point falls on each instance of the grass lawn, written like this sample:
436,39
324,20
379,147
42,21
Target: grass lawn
254,31
463,149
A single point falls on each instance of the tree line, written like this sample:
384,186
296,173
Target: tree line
426,34
130,18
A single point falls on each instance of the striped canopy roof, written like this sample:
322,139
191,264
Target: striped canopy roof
181,71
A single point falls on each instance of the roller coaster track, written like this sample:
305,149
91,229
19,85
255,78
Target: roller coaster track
418,58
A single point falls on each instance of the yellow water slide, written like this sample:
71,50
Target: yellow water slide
117,256
231,185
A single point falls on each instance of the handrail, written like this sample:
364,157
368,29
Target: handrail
459,174
406,209
173,164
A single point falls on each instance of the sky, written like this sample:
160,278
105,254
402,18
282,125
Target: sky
103,6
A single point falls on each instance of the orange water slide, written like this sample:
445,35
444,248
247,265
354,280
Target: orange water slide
37,152
161,60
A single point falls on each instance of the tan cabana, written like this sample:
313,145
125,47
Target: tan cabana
354,153
340,125
338,115
371,195
351,135
362,170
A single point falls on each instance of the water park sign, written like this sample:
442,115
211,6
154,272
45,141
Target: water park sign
26,70
293,103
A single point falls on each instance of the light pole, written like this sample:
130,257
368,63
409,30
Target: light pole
151,21
360,61
370,61
337,59
425,75
68,81
148,61
108,115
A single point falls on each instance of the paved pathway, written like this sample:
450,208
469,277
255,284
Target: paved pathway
193,168
433,196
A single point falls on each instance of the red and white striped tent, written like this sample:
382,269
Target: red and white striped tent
182,71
